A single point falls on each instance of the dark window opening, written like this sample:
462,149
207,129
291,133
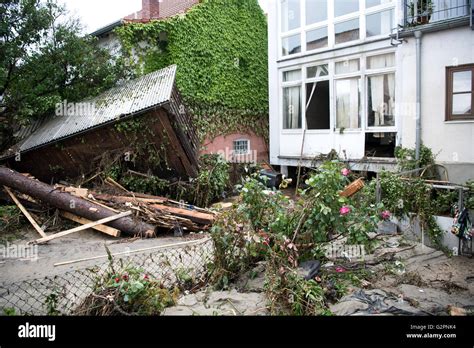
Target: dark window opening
380,144
317,99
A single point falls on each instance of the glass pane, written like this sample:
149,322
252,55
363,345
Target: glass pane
342,7
317,105
372,3
462,104
316,11
290,14
292,107
347,31
380,23
317,39
291,45
347,103
317,71
381,100
382,61
241,147
293,75
462,81
347,66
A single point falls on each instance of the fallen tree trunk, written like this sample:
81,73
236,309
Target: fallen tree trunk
67,202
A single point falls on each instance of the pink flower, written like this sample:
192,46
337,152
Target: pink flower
345,172
386,215
344,210
340,270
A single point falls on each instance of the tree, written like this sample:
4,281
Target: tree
45,60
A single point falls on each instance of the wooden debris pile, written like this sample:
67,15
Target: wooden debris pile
127,213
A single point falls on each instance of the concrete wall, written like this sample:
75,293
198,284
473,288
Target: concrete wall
452,141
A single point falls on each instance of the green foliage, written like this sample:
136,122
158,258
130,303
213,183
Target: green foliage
222,71
235,248
406,158
403,197
11,218
210,184
470,198
129,291
46,60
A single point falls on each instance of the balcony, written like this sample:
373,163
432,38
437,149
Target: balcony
436,13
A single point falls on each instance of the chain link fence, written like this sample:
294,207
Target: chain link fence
62,294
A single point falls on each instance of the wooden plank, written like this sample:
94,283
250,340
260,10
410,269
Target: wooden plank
195,216
83,227
25,212
83,221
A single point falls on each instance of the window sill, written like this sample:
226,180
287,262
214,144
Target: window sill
458,121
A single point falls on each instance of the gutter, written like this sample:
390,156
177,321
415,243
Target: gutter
418,94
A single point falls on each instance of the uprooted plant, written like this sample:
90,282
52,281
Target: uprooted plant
269,226
127,291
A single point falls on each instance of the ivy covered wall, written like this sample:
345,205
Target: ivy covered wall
220,48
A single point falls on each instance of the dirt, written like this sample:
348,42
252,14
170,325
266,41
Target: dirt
84,244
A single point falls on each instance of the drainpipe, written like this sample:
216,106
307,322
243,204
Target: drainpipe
418,94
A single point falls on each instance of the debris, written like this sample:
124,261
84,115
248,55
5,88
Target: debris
83,227
309,269
25,212
67,202
101,228
457,312
353,188
370,302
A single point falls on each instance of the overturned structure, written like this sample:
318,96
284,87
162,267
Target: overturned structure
142,122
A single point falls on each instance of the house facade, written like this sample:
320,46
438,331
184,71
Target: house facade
244,145
343,76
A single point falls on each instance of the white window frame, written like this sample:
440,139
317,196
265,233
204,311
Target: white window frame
330,24
241,154
363,74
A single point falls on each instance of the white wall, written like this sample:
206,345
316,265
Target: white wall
452,141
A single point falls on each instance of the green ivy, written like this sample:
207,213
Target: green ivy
220,48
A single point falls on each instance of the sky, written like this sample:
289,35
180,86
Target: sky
98,13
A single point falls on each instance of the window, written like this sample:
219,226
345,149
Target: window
380,144
342,7
347,66
347,103
317,71
317,105
292,107
317,38
347,31
460,92
291,45
241,147
372,3
381,61
316,11
381,100
290,15
380,23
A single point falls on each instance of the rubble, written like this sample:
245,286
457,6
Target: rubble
129,213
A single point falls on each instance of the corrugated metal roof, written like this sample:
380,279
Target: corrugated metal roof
129,98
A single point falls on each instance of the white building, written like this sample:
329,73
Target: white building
343,76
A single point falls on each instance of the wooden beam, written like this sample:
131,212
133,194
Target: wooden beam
25,212
83,227
83,221
195,216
